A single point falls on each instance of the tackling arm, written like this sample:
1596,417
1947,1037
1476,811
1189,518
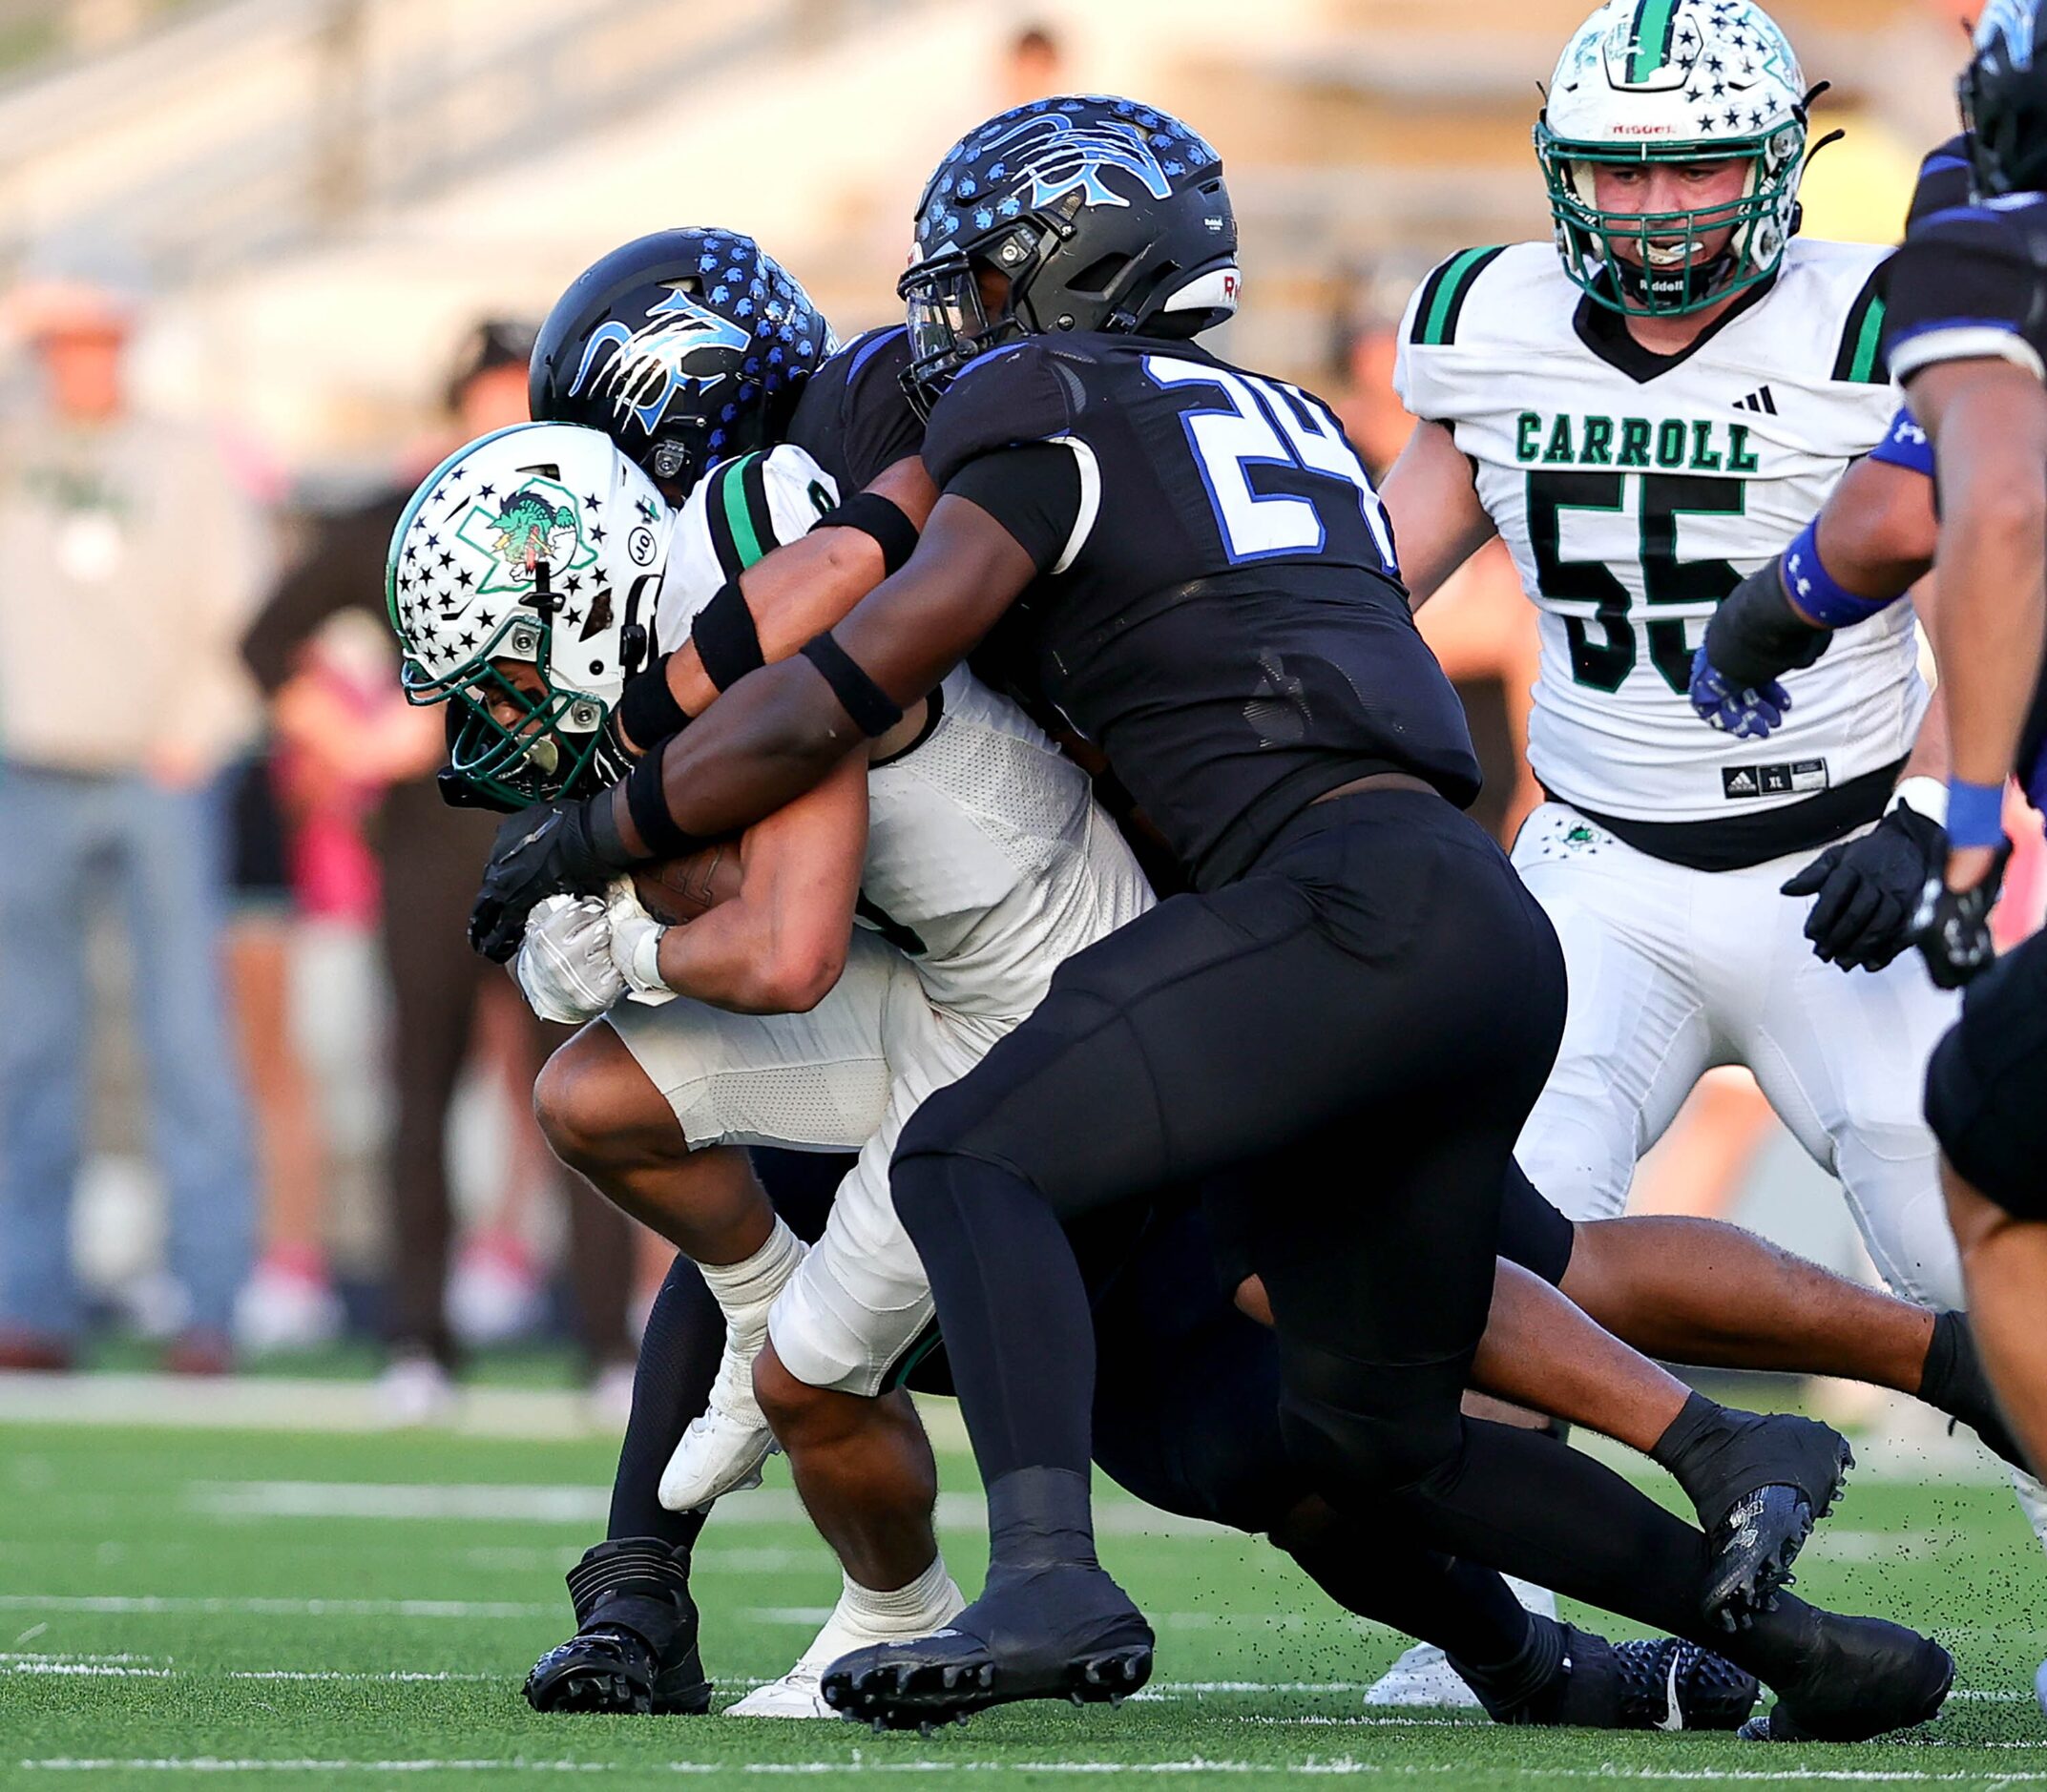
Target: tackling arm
808,585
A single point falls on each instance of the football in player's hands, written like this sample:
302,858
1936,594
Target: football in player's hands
678,890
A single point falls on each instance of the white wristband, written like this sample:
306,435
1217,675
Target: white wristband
1926,796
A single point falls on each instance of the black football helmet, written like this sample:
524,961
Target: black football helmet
2004,99
685,347
1104,215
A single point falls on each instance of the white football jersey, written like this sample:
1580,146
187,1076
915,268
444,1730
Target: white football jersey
989,860
1634,495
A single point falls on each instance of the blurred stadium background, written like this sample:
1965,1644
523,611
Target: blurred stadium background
295,214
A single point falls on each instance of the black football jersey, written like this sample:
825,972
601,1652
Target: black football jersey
853,419
1218,607
1945,180
1969,282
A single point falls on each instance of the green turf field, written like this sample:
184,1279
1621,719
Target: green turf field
358,1610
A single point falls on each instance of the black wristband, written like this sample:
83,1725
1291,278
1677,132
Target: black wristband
725,638
1755,636
646,799
647,708
878,518
872,709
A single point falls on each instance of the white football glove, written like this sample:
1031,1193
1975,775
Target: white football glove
564,963
636,945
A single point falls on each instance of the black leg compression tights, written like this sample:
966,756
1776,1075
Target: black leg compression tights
1186,1418
1380,977
678,1353
1383,982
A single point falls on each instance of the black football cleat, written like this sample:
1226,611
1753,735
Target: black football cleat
612,1670
1661,1683
1865,1678
636,1648
1055,1631
1760,1483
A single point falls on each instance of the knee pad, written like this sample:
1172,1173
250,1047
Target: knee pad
1363,1431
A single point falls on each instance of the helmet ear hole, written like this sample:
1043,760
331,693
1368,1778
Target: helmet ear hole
1098,279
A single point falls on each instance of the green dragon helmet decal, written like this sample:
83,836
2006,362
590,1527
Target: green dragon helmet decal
521,583
1684,81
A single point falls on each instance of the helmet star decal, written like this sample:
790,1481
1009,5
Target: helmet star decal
536,523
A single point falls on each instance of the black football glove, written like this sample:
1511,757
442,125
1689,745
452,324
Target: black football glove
1869,889
549,849
1952,928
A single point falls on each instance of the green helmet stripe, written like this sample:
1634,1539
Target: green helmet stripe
1656,25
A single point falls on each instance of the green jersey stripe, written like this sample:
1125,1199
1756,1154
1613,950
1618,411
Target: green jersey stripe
738,516
1435,318
1860,358
1655,24
759,514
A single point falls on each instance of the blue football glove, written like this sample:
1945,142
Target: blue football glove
1749,714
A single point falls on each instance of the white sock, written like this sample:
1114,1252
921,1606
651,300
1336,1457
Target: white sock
746,1289
909,1611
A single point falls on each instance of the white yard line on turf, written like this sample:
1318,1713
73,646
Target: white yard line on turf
149,1606
585,1505
1340,1767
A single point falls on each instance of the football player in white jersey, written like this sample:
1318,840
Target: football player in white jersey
1646,410
881,933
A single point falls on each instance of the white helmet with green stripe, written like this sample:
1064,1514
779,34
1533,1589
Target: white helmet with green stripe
521,582
1674,81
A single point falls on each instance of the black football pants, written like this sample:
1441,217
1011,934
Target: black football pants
1342,1047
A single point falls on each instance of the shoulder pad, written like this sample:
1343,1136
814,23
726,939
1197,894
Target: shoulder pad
1944,181
1020,392
1438,305
1971,276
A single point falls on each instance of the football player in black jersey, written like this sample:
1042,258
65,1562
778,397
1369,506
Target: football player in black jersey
1192,566
1186,1402
1967,333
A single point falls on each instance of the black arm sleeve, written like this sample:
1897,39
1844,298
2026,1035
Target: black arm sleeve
1034,491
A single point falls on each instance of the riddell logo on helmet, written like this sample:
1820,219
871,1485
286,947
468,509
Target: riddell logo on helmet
1646,130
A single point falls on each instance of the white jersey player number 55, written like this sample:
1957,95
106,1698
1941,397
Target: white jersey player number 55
1604,647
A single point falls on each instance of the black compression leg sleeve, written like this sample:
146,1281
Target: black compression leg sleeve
1011,1303
1467,1611
680,1351
677,1361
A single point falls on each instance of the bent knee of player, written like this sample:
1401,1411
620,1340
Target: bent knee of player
789,1405
1575,1155
1368,1430
598,1109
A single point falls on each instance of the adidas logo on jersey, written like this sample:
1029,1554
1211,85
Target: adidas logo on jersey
1794,778
1761,400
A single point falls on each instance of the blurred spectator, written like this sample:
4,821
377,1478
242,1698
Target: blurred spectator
342,737
1032,69
133,560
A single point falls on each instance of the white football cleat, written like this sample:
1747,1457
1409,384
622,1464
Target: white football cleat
797,1693
1424,1676
725,1445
